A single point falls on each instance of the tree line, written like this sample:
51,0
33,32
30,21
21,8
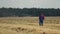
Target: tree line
18,12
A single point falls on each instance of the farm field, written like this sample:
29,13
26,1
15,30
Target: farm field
29,25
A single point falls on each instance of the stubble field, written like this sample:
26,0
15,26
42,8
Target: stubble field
29,25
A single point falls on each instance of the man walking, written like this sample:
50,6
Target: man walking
41,19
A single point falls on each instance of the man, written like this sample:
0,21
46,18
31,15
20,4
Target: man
41,19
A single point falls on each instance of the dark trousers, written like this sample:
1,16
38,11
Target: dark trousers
40,22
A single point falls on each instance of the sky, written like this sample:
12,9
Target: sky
30,3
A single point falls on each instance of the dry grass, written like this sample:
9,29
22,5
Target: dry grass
29,25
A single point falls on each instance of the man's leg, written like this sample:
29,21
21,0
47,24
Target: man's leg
42,23
39,22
